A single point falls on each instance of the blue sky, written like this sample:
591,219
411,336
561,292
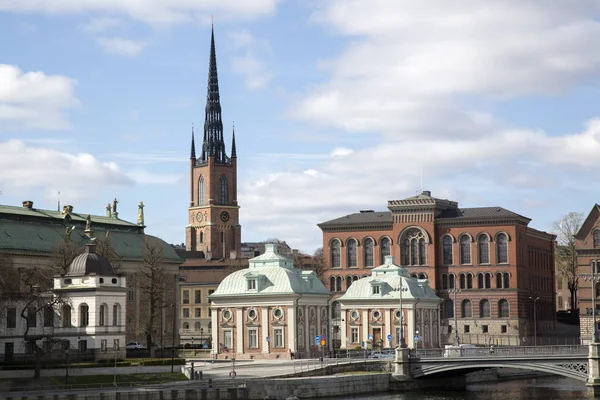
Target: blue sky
337,104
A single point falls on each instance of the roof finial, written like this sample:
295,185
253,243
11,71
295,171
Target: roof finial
212,20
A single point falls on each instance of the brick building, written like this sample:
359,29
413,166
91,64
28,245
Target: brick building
502,270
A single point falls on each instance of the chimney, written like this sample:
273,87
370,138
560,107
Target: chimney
426,193
28,204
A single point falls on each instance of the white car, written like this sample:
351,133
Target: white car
134,346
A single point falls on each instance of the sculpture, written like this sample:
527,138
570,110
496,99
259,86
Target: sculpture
114,207
140,216
108,209
88,223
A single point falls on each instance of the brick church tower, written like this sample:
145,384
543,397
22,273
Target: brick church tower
214,226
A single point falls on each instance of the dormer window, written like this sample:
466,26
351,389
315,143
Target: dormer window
376,290
251,284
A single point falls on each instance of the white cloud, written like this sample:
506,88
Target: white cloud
34,100
39,167
256,76
121,47
151,178
100,24
155,12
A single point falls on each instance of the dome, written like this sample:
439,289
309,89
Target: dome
90,263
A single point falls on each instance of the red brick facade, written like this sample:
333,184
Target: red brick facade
500,265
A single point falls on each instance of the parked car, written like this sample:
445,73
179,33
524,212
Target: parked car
134,346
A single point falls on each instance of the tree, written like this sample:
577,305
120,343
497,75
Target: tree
566,256
316,264
152,287
62,256
105,248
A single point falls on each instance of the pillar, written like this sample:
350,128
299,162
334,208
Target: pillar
402,365
593,380
264,322
239,332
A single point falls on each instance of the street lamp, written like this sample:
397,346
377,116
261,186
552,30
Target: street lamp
173,338
456,340
594,278
202,336
402,341
535,320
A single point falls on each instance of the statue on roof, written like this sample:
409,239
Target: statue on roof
88,223
140,216
114,207
68,231
108,209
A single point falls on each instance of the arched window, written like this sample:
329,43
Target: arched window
201,191
368,252
448,309
444,281
336,310
414,249
484,309
351,253
103,315
201,237
480,282
338,284
66,316
463,281
465,249
488,280
503,310
332,284
348,282
502,248
483,249
335,254
223,190
447,250
597,237
469,281
197,326
506,278
355,278
84,315
116,314
186,325
498,280
384,248
465,309
451,281
422,276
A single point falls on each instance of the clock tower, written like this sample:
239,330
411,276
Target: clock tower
213,224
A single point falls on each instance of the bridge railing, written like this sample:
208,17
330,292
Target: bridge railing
513,351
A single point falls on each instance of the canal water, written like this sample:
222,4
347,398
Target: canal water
552,388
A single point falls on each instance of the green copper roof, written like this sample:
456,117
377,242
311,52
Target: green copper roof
34,213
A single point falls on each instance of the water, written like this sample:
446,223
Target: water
552,388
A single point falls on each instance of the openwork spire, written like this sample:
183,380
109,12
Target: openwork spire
233,152
193,150
213,145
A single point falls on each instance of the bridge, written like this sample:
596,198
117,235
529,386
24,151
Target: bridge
581,363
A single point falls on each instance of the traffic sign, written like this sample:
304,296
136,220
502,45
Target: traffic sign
268,339
317,339
323,342
371,336
418,338
362,344
389,337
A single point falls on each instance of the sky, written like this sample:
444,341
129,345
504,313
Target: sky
338,106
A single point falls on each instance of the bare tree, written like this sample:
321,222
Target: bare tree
316,264
104,247
62,256
566,257
153,283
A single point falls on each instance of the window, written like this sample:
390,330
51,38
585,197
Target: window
353,335
503,311
48,317
102,315
447,250
351,249
312,332
278,342
469,281
375,290
448,309
201,191
335,254
368,252
414,247
348,281
82,346
197,312
498,280
66,316
466,311
301,336
186,312
227,343
502,248
506,280
116,314
484,329
252,339
467,329
197,326
480,282
116,345
103,345
211,291
251,284
483,247
11,317
197,296
484,309
31,317
332,284
465,249
451,281
384,248
223,190
130,296
488,280
84,315
559,284
186,297
463,281
503,329
338,284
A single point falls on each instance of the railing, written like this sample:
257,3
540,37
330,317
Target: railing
516,351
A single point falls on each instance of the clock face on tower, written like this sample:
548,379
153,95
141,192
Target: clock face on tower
224,216
199,217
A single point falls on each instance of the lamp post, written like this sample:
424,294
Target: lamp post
67,369
594,278
402,341
535,319
173,338
202,336
456,340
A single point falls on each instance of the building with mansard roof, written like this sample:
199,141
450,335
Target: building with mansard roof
269,310
495,262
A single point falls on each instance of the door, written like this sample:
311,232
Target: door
9,350
376,337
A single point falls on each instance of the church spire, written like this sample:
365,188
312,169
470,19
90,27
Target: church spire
193,151
213,145
233,152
